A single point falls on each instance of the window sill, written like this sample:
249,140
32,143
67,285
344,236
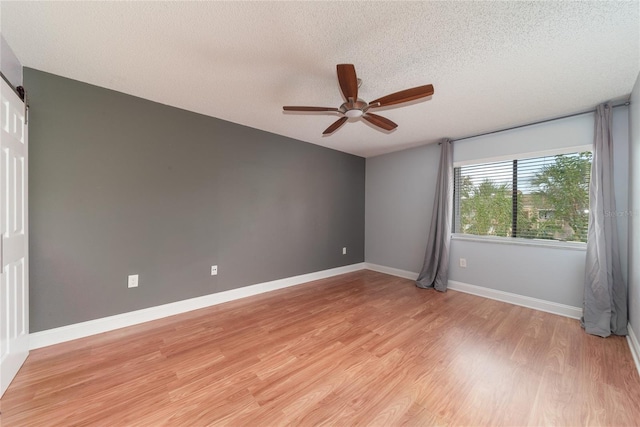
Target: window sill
576,246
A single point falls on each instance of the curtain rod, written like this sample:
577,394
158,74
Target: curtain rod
624,104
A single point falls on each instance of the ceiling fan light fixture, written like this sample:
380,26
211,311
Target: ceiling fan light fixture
353,113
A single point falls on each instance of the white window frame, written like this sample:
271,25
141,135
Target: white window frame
520,241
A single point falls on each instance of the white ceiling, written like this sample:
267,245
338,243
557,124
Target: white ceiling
493,64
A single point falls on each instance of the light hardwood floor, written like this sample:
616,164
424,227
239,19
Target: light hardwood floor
362,348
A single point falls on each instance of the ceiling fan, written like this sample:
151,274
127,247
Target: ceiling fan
356,107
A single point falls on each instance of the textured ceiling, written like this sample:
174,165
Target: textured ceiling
492,64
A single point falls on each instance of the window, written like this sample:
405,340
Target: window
545,214
534,198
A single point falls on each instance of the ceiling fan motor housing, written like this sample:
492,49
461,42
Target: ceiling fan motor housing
354,108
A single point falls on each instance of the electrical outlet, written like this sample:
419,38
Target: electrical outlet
463,262
214,270
344,250
132,282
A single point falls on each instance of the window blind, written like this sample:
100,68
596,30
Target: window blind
533,198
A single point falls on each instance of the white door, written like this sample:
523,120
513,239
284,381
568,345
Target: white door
14,283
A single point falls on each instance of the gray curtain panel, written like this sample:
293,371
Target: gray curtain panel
435,270
605,293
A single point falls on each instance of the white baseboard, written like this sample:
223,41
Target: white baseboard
634,345
105,324
511,298
392,271
524,301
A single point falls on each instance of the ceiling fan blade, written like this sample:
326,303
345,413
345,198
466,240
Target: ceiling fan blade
348,81
334,127
403,96
381,122
296,108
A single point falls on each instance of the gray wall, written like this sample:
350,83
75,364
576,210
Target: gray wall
396,232
9,63
399,199
120,185
634,210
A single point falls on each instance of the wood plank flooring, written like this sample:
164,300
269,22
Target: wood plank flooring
358,349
